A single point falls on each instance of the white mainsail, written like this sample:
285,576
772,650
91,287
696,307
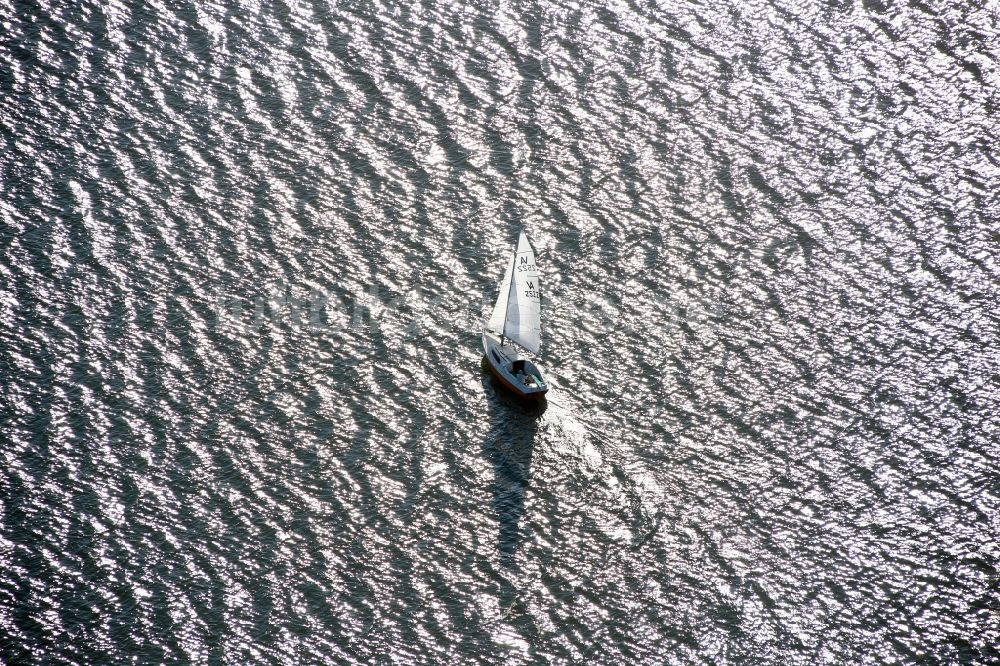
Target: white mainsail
517,314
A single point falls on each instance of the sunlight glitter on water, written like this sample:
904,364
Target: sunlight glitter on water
247,251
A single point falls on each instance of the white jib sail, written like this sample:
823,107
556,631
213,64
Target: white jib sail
499,316
524,300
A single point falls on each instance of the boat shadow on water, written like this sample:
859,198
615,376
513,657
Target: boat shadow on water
509,447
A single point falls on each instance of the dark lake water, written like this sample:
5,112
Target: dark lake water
246,250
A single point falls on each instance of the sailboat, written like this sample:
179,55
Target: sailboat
516,322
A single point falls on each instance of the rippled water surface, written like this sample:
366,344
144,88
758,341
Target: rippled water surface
246,249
